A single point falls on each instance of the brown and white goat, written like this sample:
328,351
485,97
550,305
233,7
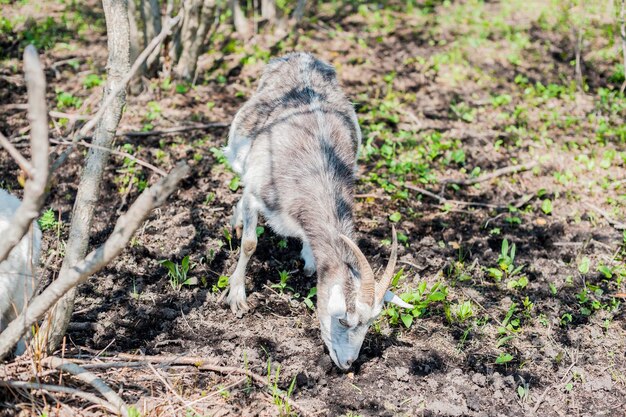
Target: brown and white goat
295,146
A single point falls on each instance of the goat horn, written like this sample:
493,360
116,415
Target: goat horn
383,285
368,284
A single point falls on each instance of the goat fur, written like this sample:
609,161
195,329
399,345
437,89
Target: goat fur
18,278
295,145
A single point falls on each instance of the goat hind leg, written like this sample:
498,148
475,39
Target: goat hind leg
237,291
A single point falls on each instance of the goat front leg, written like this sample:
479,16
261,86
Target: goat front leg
237,291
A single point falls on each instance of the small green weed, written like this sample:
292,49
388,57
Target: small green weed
48,220
421,299
67,100
282,285
92,80
178,273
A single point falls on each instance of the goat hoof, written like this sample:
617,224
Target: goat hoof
237,302
309,271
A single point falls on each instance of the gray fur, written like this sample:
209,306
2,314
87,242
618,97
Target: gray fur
295,144
18,278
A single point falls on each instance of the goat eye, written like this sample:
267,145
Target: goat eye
343,323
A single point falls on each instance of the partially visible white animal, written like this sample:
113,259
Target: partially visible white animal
18,277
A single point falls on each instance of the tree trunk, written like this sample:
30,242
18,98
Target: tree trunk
198,15
299,12
268,10
151,16
135,86
622,33
239,19
118,65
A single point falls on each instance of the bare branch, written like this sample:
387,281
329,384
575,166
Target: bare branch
616,224
116,90
51,113
59,388
97,259
513,169
88,378
203,364
34,191
17,156
171,130
136,65
114,152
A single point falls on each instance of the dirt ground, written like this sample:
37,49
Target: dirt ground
442,90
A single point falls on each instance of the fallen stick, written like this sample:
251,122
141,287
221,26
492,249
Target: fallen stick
89,378
616,224
443,200
171,130
497,173
51,113
203,364
545,392
59,388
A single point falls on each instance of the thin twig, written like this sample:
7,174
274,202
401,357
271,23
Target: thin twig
58,388
174,130
444,201
17,156
513,169
203,364
616,224
89,378
119,153
51,113
545,392
169,386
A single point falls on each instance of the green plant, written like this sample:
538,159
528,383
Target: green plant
503,358
67,100
48,220
282,285
133,412
229,237
506,266
92,80
178,273
280,397
222,283
308,299
546,206
459,312
421,299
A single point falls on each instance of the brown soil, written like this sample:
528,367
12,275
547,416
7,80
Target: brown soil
434,368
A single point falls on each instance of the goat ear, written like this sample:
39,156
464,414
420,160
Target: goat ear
336,301
394,299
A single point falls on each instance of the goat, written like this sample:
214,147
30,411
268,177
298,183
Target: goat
18,278
295,145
